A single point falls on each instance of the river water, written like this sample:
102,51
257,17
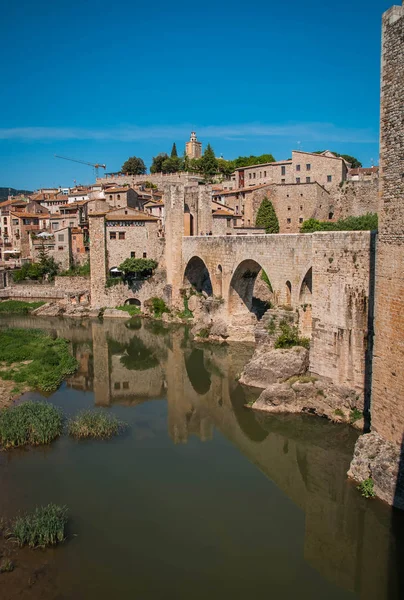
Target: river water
200,498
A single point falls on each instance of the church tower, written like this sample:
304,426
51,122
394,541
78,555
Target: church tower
193,148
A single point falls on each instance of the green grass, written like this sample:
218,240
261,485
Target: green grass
44,527
366,488
35,358
355,415
29,423
94,424
338,412
19,307
131,309
289,338
77,271
6,566
301,379
363,223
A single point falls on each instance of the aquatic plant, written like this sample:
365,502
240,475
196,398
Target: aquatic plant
44,527
366,488
29,423
35,358
18,307
131,309
6,566
94,424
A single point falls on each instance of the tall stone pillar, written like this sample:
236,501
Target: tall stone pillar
174,228
98,258
380,454
387,407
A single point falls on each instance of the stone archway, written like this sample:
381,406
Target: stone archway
197,276
288,293
305,304
242,300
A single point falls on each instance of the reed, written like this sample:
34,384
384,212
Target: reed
44,527
29,423
95,425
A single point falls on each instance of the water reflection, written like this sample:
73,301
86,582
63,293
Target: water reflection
346,539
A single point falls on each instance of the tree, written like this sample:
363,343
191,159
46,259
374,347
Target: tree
174,153
247,161
157,165
171,165
266,217
209,163
225,167
134,166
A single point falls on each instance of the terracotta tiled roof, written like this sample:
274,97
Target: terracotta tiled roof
138,217
270,164
222,213
116,190
14,202
25,215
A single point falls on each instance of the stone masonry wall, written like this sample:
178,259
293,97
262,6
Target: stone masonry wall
388,366
341,283
355,198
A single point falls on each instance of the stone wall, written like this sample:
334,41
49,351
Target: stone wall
388,364
342,294
72,284
355,198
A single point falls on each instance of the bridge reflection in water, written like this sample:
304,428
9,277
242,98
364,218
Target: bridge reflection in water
347,540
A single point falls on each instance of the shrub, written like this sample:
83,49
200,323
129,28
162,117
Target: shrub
44,527
137,265
94,424
111,281
265,279
19,307
6,566
77,271
338,412
159,307
44,361
271,327
186,313
132,309
363,223
290,337
204,333
355,415
29,423
366,488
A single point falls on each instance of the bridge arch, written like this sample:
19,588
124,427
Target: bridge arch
242,299
305,304
197,275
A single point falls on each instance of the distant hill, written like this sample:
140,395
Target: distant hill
5,191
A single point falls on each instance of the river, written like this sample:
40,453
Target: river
201,498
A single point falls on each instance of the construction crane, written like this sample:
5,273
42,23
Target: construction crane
96,166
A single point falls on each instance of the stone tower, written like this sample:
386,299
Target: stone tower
388,363
193,148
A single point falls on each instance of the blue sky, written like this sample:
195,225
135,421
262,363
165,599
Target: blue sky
101,81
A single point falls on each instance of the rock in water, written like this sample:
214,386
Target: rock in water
267,367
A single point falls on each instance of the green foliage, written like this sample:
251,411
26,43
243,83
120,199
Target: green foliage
111,281
77,271
44,527
171,165
34,271
19,307
248,161
355,415
186,313
355,163
366,488
43,362
265,279
266,217
6,566
289,337
134,166
174,153
137,265
368,222
301,379
338,412
203,333
132,309
149,185
29,423
157,164
208,163
94,424
271,327
159,307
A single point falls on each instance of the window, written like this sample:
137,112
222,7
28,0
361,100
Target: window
74,237
260,174
15,221
307,179
297,167
228,222
60,248
254,175
308,167
329,178
265,173
283,170
55,225
118,197
297,179
300,219
282,181
125,385
112,235
289,208
330,215
61,237
133,254
71,224
301,208
5,220
117,385
110,197
144,254
236,209
121,235
288,220
249,175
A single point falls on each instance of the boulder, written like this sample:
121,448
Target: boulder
268,367
219,329
194,303
274,396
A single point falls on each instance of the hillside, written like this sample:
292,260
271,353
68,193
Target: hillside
5,191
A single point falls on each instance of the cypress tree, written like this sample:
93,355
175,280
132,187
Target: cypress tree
209,163
174,153
266,217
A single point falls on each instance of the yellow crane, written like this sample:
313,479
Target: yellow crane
96,166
